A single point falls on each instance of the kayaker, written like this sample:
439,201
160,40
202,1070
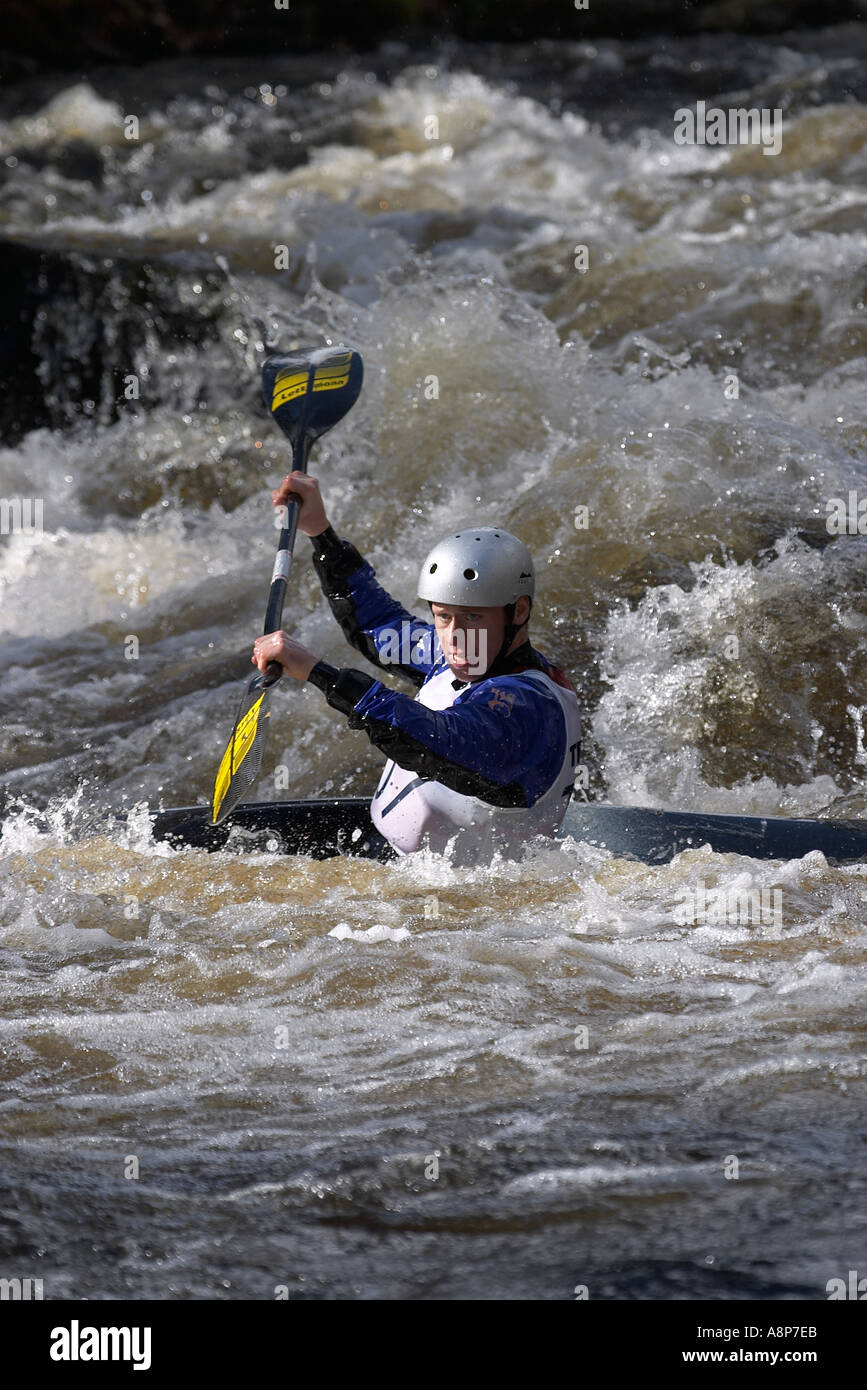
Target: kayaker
484,757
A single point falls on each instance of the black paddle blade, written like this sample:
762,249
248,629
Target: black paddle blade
242,759
308,393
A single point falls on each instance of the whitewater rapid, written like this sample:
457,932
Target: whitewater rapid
412,1079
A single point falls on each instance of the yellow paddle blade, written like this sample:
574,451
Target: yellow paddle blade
331,375
242,759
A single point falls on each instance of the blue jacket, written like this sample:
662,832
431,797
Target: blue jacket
503,740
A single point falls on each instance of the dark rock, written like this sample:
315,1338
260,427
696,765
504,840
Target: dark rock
67,33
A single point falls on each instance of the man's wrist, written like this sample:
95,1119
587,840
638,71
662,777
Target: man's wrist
342,688
323,676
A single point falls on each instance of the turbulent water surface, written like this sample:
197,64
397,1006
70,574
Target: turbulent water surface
229,1074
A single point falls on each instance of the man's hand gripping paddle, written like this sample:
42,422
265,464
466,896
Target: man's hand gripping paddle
306,395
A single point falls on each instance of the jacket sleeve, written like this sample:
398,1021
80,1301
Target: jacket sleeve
504,740
372,621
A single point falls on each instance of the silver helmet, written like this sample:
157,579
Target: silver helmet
482,566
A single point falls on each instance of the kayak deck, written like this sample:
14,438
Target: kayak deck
324,828
655,837
320,828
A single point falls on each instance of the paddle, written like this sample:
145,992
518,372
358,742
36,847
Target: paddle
306,395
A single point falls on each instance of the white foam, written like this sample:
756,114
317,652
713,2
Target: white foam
76,113
562,1181
378,932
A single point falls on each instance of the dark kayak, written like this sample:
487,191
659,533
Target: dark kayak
323,828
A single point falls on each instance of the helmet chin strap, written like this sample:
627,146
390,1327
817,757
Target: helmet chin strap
511,631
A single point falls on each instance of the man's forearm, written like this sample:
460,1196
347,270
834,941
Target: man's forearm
336,561
344,688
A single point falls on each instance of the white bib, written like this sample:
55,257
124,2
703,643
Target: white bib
415,814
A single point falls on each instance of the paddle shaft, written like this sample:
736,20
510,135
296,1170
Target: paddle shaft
283,558
305,396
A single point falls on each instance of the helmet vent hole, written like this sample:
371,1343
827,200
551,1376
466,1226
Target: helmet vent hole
471,574
433,568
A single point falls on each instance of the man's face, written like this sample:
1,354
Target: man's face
470,637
